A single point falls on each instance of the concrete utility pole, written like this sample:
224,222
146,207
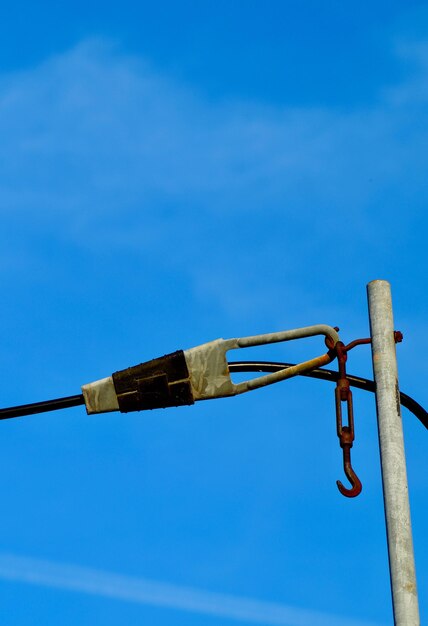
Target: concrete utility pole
391,443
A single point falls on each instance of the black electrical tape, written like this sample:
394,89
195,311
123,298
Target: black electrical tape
155,384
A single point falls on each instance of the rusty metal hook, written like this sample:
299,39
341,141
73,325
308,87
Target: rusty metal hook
356,485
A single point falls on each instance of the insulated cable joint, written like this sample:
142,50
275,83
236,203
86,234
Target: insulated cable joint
200,373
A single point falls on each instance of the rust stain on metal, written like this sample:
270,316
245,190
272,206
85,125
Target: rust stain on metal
397,398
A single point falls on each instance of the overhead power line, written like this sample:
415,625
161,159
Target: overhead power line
239,366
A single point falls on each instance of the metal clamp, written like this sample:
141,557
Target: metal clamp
209,369
201,373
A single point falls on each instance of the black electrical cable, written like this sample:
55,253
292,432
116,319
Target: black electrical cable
323,374
41,407
244,366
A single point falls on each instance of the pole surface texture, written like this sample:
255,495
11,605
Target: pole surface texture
391,443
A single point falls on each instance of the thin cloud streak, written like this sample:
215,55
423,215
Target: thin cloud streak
104,152
147,592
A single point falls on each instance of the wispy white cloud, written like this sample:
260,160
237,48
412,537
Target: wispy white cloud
148,592
102,149
94,129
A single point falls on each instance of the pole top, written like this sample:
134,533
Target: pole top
378,281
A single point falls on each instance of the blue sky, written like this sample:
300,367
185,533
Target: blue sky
172,174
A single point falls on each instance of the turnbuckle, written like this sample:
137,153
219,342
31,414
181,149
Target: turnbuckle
346,434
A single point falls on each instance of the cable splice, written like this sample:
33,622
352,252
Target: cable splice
199,373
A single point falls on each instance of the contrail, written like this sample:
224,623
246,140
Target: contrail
144,591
